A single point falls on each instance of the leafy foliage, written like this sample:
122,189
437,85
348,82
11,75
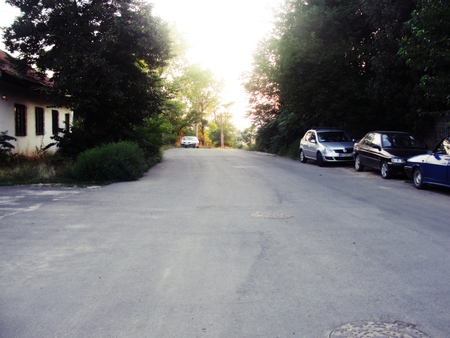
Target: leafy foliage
123,161
229,132
354,64
427,51
104,58
5,146
391,87
311,71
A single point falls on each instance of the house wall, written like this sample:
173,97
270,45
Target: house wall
11,94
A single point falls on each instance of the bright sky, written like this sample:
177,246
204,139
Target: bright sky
222,35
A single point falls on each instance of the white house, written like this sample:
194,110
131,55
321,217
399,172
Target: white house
25,113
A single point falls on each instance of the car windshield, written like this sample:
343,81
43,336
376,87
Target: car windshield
333,136
393,140
190,138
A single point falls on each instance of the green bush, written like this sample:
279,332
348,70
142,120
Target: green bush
5,146
123,161
290,151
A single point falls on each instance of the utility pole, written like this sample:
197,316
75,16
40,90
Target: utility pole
222,143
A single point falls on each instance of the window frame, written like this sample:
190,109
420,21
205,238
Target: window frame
40,120
67,122
20,119
55,122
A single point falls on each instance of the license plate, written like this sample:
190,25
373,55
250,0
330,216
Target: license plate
346,155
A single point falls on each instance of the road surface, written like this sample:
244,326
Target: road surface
225,243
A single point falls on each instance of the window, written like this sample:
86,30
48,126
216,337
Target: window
368,140
39,112
67,123
376,141
20,112
311,136
55,122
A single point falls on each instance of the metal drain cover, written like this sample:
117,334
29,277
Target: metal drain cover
272,215
377,329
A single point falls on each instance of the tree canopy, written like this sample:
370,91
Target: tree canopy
353,64
102,56
426,50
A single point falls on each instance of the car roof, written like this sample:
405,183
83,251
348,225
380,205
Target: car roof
389,132
326,129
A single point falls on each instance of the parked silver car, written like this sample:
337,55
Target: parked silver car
326,145
190,141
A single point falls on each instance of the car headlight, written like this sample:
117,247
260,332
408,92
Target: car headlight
398,160
329,150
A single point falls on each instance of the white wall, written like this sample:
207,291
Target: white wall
18,95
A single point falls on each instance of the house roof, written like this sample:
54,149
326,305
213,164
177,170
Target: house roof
10,73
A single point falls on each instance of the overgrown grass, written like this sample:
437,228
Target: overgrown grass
41,167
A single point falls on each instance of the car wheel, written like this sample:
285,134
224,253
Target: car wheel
418,179
385,172
358,165
303,159
320,160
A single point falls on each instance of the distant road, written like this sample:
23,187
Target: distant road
224,243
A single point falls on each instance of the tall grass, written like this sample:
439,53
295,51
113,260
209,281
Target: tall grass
39,167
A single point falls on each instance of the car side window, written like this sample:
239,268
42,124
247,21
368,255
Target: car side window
311,136
368,140
376,141
444,147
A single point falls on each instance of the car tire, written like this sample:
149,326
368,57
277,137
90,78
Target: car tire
303,159
385,172
320,160
358,166
418,179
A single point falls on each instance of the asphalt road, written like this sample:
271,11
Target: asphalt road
225,243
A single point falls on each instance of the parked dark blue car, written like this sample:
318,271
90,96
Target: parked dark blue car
432,168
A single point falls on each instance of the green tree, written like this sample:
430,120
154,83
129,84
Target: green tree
175,106
261,83
248,135
201,93
103,58
391,87
427,51
312,71
223,125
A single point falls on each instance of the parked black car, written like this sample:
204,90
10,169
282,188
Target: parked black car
386,151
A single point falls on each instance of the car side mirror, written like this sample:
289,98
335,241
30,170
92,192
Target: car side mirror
376,146
313,140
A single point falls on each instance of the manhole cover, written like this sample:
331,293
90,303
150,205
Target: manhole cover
272,215
377,329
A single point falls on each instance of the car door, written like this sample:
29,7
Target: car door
438,163
375,154
309,145
365,149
